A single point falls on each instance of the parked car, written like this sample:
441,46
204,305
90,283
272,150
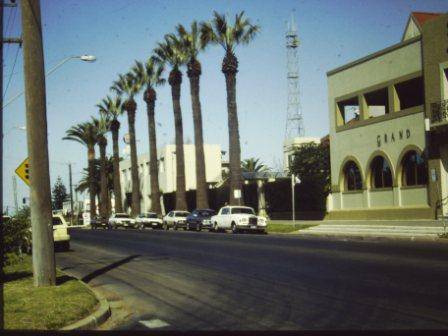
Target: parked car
148,219
121,220
99,222
200,219
61,237
175,219
238,218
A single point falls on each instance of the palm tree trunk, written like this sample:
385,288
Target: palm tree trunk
115,126
150,99
230,68
175,81
104,193
135,207
194,73
92,183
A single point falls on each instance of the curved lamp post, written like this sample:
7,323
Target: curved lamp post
85,58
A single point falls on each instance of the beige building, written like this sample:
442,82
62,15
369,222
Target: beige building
389,128
167,171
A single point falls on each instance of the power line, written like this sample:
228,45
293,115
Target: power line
13,11
12,71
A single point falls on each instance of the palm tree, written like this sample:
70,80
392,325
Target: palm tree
87,134
150,76
170,51
222,32
84,182
193,44
127,84
113,108
103,125
253,165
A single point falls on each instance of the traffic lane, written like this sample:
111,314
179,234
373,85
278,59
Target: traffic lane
343,280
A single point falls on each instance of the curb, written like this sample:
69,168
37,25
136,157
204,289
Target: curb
372,238
95,319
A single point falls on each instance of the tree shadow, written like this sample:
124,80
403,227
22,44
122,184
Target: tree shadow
15,276
63,279
107,268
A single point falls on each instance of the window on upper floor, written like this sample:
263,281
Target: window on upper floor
377,102
445,83
410,93
347,111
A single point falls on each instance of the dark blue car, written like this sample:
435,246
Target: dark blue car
200,219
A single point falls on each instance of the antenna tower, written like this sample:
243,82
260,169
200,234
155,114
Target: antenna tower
294,120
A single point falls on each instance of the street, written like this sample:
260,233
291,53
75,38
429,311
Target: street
209,281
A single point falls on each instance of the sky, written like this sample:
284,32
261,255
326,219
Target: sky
331,33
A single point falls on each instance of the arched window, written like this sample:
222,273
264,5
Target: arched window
352,176
414,169
381,173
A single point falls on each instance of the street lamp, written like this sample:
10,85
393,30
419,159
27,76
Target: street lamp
84,58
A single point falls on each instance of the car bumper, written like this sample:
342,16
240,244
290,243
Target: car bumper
181,224
60,239
251,227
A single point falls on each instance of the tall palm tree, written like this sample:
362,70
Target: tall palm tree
87,134
228,36
171,52
193,44
103,125
113,108
127,85
149,75
84,182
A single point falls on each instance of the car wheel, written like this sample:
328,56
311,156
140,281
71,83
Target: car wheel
187,227
234,228
215,227
65,246
198,227
175,227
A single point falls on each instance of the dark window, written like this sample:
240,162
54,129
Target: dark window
381,173
225,211
410,93
352,176
57,221
377,102
414,169
249,211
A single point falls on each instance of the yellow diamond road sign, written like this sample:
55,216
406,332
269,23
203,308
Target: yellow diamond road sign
23,170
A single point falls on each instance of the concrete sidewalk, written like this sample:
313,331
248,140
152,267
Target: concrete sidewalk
378,229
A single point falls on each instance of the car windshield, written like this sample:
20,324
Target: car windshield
206,213
121,216
151,215
182,214
57,221
249,211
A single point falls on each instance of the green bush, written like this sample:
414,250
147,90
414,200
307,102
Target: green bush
16,236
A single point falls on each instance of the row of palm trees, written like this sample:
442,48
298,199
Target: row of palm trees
178,49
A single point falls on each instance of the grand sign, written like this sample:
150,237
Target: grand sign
392,137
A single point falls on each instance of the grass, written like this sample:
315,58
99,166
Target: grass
274,227
43,308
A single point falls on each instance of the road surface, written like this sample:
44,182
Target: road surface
180,280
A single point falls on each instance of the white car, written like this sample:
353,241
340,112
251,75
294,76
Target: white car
238,218
121,219
60,232
148,219
175,219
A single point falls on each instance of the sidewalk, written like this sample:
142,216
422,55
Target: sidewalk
377,229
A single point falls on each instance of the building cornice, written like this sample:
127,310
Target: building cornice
374,55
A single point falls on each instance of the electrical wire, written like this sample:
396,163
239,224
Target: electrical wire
13,11
12,71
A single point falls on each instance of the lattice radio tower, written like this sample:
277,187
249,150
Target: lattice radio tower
294,120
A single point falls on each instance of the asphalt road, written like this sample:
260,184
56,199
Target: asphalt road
220,281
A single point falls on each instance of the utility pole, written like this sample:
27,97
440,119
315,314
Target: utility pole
71,192
14,186
36,126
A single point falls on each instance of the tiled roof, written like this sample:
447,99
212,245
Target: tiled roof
422,17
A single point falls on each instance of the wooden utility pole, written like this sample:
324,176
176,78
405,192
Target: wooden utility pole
36,126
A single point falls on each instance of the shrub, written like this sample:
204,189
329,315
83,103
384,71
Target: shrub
16,235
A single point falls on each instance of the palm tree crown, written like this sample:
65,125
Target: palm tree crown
253,165
112,107
219,31
172,52
148,74
126,85
85,133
